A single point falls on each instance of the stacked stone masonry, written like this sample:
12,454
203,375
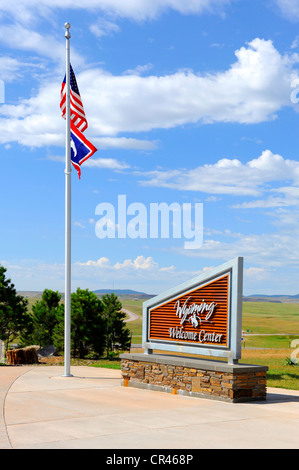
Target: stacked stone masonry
235,384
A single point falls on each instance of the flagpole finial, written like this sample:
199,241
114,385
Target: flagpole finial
67,33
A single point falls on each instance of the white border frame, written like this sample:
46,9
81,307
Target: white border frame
233,349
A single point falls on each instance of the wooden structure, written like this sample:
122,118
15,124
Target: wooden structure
19,356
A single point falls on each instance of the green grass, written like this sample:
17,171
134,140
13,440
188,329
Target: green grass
280,374
258,317
106,364
134,306
270,317
135,326
280,320
137,339
273,341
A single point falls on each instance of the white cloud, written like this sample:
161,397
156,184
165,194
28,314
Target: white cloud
101,163
138,10
269,250
254,272
230,176
295,43
290,197
267,203
289,8
130,272
128,143
79,224
17,36
139,263
106,163
47,45
143,273
36,121
101,262
278,248
9,68
104,28
139,70
252,90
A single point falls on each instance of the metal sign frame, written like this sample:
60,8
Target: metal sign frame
232,350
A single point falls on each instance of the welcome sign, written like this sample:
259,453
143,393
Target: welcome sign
202,316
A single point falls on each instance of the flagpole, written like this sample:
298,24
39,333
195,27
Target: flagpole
68,169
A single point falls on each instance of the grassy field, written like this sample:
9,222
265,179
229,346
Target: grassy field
271,317
280,374
278,320
268,329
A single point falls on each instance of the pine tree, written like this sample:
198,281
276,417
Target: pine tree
45,316
87,325
117,334
14,317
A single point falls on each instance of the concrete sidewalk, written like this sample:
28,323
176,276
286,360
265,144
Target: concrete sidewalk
40,409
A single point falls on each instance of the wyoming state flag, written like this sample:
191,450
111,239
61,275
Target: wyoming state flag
81,148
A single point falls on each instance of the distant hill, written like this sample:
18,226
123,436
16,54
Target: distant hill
279,298
124,293
133,294
30,293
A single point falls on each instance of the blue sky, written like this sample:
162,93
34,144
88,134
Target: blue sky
187,102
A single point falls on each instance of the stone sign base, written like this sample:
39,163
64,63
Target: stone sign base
194,377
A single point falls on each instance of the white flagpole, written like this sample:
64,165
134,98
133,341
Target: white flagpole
68,169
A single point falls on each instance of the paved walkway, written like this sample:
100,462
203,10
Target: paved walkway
132,316
40,409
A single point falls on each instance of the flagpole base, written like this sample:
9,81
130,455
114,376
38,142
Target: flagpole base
67,375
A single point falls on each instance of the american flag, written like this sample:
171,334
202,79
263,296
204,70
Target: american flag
77,111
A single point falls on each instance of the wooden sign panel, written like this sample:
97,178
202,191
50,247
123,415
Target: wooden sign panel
202,316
